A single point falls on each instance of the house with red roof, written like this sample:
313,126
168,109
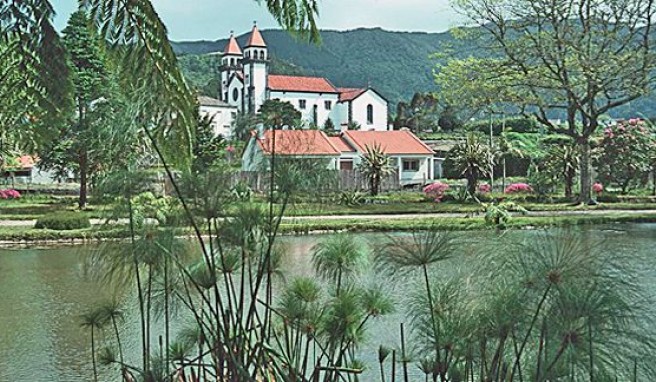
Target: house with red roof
246,83
411,159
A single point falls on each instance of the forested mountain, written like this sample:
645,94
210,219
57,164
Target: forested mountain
397,64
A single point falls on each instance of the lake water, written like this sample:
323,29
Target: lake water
43,292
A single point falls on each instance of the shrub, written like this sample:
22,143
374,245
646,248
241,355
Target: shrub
518,188
9,194
598,188
484,188
436,191
351,198
63,221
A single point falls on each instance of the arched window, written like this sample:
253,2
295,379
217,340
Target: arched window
261,55
235,95
232,62
370,114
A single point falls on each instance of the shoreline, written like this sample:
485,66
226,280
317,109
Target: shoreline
317,225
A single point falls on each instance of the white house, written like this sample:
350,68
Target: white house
246,84
413,160
222,114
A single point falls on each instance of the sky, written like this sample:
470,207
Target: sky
214,19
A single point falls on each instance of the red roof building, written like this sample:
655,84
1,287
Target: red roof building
297,142
349,94
300,84
397,142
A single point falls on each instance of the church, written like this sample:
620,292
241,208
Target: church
246,84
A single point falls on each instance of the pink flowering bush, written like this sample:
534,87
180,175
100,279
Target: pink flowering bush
624,156
484,188
436,191
518,188
598,188
9,194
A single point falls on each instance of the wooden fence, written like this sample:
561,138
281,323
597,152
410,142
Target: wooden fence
346,180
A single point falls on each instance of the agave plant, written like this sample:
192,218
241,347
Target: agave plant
473,159
375,166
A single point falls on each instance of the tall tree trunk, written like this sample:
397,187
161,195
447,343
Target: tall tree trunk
83,163
586,181
570,173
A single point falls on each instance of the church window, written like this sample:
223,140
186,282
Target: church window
235,95
302,103
261,55
370,114
328,105
232,62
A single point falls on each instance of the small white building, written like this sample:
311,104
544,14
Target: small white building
412,159
221,113
246,84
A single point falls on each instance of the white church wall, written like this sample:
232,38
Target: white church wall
311,100
339,116
237,85
359,109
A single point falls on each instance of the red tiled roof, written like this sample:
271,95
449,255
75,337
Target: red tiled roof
391,142
349,94
298,142
256,38
341,145
232,47
300,84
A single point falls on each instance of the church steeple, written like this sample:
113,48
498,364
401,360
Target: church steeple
256,47
231,63
256,71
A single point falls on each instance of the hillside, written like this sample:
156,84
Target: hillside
398,64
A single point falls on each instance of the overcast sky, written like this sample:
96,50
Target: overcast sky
214,19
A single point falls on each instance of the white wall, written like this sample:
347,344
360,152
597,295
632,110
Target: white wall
311,99
359,110
255,74
222,118
423,175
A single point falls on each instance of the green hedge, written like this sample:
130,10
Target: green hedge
63,221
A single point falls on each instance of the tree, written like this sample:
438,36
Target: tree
243,126
625,154
329,126
561,160
277,114
581,59
208,148
96,137
471,159
94,321
449,120
374,165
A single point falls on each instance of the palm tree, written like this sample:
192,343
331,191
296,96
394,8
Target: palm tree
93,320
507,149
473,159
338,257
375,166
112,313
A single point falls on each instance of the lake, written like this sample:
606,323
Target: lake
43,292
